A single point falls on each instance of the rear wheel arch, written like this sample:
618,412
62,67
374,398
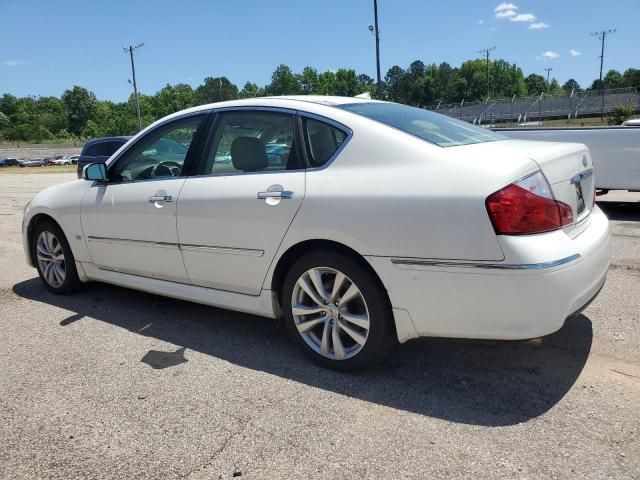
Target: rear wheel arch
293,253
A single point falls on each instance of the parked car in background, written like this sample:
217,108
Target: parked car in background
34,162
614,150
99,150
367,223
74,159
10,162
65,160
632,122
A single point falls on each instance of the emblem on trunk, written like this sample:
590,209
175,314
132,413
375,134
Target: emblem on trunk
584,160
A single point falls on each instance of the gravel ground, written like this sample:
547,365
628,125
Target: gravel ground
113,383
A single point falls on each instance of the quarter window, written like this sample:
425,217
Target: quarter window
322,141
159,154
252,141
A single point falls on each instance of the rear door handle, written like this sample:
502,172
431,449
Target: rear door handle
277,194
161,198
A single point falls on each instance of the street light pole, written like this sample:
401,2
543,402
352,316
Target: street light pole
486,52
548,69
374,30
130,50
602,36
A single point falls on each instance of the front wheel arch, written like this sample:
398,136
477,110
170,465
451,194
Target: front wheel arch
33,223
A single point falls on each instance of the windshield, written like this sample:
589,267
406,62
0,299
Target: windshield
430,126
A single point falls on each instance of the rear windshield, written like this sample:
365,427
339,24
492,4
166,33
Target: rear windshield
430,126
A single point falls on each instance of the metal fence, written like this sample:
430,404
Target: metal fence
544,106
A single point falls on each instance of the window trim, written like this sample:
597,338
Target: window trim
189,158
346,130
215,124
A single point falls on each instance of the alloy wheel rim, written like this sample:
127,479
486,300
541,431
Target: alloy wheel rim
330,313
51,259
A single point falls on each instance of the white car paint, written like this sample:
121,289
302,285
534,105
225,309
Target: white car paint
415,211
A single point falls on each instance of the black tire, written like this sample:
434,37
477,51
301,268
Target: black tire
381,334
71,281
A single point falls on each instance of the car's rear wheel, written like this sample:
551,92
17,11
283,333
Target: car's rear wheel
337,312
54,259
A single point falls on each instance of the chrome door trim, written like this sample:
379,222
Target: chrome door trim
126,241
194,248
225,250
497,266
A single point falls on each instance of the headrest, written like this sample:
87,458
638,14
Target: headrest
322,146
248,154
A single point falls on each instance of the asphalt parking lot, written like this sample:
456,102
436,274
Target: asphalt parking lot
113,383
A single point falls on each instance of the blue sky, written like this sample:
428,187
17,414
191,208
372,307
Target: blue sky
49,46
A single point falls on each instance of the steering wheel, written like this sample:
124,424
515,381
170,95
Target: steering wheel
167,168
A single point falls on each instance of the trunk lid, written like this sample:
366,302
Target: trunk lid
568,169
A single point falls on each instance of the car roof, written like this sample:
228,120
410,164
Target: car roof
123,138
284,101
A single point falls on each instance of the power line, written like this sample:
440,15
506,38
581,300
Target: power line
602,36
130,51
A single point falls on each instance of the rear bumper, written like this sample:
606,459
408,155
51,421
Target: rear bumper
543,280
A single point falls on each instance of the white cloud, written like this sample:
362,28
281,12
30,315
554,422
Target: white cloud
574,52
480,22
506,14
550,54
538,26
523,17
505,6
13,63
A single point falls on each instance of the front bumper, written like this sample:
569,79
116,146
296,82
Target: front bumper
511,300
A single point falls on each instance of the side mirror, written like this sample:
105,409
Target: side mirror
95,171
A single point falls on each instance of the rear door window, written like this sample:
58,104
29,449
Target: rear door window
322,141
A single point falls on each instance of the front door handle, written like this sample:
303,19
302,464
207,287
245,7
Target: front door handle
277,194
161,198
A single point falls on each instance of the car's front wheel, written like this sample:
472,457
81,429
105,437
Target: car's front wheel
54,259
337,312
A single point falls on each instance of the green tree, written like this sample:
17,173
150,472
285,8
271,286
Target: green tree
283,82
365,84
346,83
309,81
327,83
613,79
632,78
171,99
571,85
251,90
393,82
216,89
536,84
81,105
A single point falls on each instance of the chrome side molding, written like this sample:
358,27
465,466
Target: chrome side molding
496,266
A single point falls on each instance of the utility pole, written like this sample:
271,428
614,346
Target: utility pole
486,52
35,99
548,70
375,31
602,36
130,50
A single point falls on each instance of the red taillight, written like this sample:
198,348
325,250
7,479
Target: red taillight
516,210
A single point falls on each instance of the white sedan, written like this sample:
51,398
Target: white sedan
362,223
